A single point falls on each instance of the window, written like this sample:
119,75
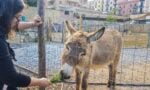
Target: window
66,12
110,8
51,2
135,5
130,11
123,12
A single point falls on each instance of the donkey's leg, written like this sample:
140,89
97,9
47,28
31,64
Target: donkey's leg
114,69
78,79
85,80
110,75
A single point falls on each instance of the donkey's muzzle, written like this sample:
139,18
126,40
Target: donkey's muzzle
64,75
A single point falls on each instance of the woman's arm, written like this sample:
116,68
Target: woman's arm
43,82
8,74
25,25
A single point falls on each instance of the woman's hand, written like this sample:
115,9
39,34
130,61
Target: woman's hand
25,25
37,21
44,82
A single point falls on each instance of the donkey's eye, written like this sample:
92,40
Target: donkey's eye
83,53
67,46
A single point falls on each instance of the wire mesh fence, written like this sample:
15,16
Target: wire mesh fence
133,69
134,66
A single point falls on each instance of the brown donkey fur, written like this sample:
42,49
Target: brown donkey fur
84,51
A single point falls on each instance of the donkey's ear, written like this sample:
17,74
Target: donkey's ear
69,27
93,36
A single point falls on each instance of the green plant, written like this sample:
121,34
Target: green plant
56,78
111,17
32,3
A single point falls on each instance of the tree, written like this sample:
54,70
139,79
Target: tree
111,17
32,3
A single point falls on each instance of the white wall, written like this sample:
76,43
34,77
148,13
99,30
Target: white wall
147,8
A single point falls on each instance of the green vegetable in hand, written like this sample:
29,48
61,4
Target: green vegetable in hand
56,78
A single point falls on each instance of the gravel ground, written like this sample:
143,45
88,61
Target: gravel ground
27,55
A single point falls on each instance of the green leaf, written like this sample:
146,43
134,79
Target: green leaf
32,3
56,78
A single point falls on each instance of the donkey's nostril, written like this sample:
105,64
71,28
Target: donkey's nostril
68,77
64,75
61,72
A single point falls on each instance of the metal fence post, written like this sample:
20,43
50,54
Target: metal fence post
63,32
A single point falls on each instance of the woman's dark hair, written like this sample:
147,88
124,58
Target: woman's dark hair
8,10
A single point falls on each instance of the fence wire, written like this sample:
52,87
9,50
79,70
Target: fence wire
133,69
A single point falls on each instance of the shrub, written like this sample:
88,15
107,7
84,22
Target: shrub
32,3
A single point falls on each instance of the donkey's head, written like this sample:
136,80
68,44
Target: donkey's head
77,49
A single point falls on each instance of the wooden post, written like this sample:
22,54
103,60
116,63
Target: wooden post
148,44
49,30
63,32
81,23
41,42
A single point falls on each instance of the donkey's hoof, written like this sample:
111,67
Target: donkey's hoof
111,84
108,85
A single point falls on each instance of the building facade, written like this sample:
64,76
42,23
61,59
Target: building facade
103,6
98,5
112,7
128,7
56,3
147,6
91,5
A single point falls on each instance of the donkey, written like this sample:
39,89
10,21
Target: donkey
90,50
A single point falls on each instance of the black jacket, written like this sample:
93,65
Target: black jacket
8,74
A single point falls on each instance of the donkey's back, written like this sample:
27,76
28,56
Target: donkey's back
107,49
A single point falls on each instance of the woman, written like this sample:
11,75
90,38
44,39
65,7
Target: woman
10,14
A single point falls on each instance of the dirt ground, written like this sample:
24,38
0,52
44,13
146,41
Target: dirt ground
91,87
127,76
